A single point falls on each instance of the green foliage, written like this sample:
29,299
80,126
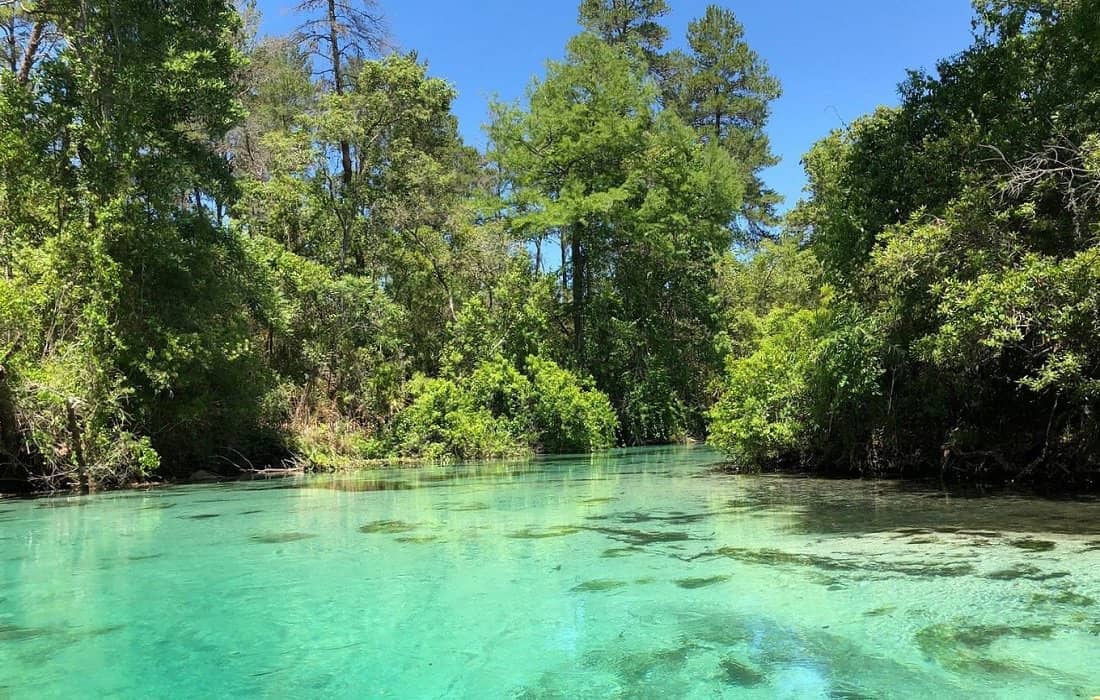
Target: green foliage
958,235
498,410
748,284
630,23
640,206
568,413
219,251
803,392
762,415
724,91
128,337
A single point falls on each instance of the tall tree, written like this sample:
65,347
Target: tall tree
119,117
630,23
338,33
956,334
27,33
570,151
724,90
640,208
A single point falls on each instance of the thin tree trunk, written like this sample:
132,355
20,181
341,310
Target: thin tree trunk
78,445
345,147
579,292
13,47
31,51
564,269
9,424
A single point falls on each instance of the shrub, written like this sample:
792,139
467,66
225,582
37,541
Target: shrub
497,410
809,385
569,413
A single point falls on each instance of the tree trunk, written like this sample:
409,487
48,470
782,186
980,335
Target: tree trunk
9,430
579,293
13,45
345,147
78,445
30,52
564,268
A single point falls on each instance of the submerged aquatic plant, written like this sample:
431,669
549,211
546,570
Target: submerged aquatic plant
386,527
964,647
600,584
281,537
544,533
701,582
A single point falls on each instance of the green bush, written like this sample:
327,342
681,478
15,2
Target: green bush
807,388
497,410
444,420
569,413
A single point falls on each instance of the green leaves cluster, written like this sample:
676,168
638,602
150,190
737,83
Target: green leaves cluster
958,233
498,410
640,205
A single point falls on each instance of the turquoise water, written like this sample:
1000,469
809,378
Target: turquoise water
635,574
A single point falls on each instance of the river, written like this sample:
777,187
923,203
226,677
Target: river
632,574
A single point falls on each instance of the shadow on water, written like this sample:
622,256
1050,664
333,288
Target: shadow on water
17,633
672,518
691,583
867,569
853,507
159,506
387,527
1027,572
462,507
616,552
418,539
640,537
597,585
965,647
531,533
1063,597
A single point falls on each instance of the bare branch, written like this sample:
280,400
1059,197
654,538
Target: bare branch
1061,163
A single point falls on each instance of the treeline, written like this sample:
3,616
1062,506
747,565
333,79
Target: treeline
220,250
935,305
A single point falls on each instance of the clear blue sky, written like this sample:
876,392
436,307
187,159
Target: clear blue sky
836,59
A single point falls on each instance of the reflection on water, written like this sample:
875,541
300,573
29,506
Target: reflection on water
639,573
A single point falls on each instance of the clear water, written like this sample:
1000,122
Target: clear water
635,574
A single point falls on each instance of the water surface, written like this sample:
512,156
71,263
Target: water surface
636,574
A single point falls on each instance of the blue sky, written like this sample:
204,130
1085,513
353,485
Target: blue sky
836,60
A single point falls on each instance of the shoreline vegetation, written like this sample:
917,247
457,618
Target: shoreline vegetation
219,249
947,483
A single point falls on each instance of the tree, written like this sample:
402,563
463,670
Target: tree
337,33
570,153
126,290
628,23
956,239
724,90
639,206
